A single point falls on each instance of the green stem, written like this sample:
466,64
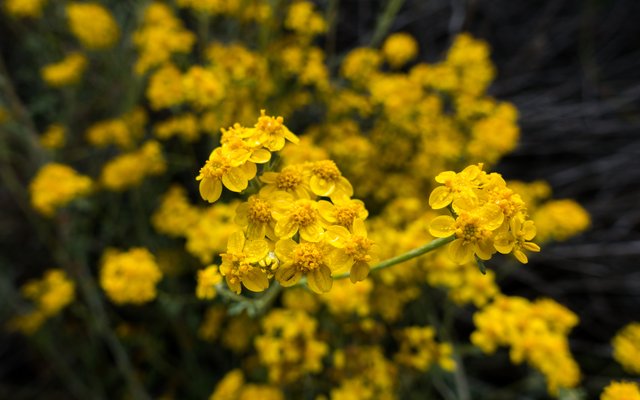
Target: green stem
385,21
418,251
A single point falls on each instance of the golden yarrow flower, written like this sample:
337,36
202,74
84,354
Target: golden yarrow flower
218,170
208,278
239,263
302,217
517,239
359,251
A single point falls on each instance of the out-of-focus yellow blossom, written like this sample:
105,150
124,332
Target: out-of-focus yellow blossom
54,137
346,298
621,391
299,298
365,374
185,126
626,348
130,169
361,64
66,72
25,8
165,87
211,325
239,333
470,58
239,263
124,131
233,387
419,349
302,19
560,220
208,278
210,232
55,185
244,10
175,215
129,277
399,48
93,25
4,115
160,36
49,295
536,332
288,346
203,87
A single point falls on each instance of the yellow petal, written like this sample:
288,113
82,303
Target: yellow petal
442,226
255,280
260,156
319,280
288,275
286,228
326,210
520,256
311,233
531,246
235,244
359,229
492,215
210,189
242,217
256,230
504,243
359,272
343,190
339,261
234,180
256,250
460,252
284,248
528,230
337,235
321,187
484,249
445,176
440,197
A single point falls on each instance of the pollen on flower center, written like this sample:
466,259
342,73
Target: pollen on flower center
326,170
288,179
358,247
259,210
307,257
303,214
214,169
345,215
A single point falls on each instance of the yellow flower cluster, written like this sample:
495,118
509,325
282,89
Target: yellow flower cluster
346,298
419,349
159,37
208,278
489,216
186,126
626,348
233,387
399,48
124,131
288,346
93,25
49,295
536,332
66,72
130,169
302,19
55,185
25,8
54,137
331,235
561,219
129,277
364,374
621,391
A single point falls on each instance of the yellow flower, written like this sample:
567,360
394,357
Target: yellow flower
626,348
462,183
25,8
313,259
238,263
208,278
292,179
203,87
517,239
65,72
256,217
165,87
473,230
130,169
399,48
327,180
299,216
360,251
419,349
220,169
56,185
621,391
302,19
52,293
271,132
93,25
342,211
130,276
53,137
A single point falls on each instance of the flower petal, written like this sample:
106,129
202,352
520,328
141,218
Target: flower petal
359,272
210,189
442,226
319,280
288,275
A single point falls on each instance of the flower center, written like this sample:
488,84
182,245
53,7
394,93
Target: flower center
303,214
358,248
288,179
345,215
259,210
326,170
215,168
307,257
